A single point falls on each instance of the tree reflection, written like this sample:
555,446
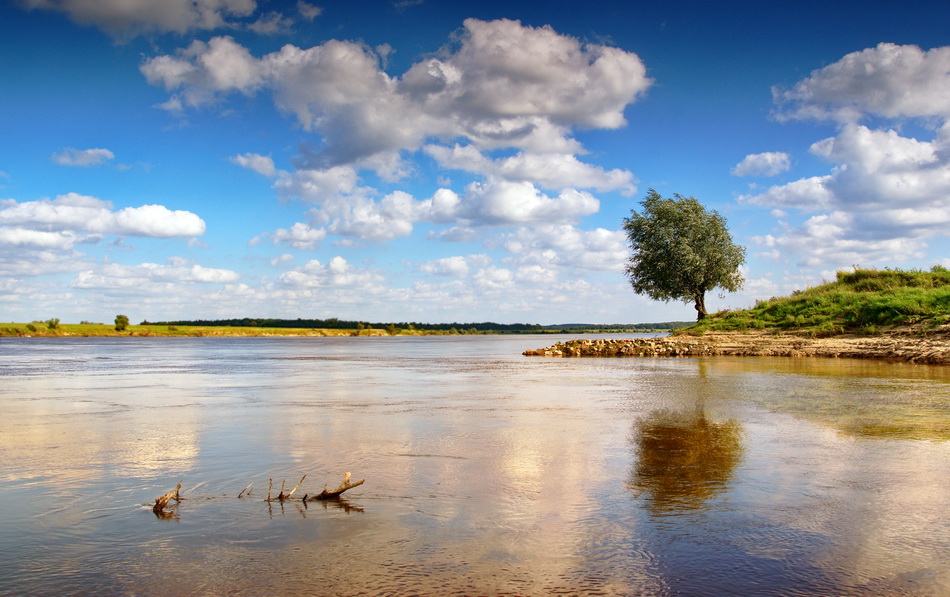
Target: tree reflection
684,460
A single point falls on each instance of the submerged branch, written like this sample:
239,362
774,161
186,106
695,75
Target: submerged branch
162,501
344,486
327,494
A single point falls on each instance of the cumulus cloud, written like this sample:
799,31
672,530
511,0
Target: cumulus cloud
203,71
125,17
886,193
888,80
38,239
503,85
79,213
770,163
831,240
337,273
498,86
548,170
498,202
344,208
448,266
563,246
298,236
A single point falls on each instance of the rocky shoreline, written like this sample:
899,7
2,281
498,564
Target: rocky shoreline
930,347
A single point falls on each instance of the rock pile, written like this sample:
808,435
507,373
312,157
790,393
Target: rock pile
637,347
914,346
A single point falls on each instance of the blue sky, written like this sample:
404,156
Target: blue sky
437,162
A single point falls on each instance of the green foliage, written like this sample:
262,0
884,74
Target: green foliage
862,301
31,327
121,322
53,323
681,251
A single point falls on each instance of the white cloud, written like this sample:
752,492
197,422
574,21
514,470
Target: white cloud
124,17
335,274
888,80
770,163
151,275
566,247
499,202
82,157
887,193
203,71
38,239
298,236
805,194
504,85
830,240
79,213
548,170
493,278
448,266
500,85
308,11
392,217
261,164
504,70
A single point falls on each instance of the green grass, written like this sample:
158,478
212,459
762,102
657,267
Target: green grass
865,301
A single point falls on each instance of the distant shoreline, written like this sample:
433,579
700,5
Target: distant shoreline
90,330
906,344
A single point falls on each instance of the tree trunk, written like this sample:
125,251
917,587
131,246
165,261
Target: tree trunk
700,306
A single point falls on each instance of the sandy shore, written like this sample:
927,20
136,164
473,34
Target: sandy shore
906,344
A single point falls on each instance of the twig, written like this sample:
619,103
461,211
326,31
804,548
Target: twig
296,486
243,490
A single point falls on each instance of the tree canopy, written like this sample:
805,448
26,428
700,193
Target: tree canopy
681,251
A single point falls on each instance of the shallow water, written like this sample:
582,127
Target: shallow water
486,472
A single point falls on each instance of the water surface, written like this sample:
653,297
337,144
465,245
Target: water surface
486,472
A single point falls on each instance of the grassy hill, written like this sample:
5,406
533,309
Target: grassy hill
866,301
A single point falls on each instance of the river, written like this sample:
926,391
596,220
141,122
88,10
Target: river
487,473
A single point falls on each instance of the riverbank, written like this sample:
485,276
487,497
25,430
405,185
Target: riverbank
908,344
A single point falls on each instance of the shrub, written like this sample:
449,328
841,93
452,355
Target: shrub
53,323
121,322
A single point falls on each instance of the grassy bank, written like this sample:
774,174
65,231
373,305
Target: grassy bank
865,301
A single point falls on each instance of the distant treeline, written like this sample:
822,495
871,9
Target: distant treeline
621,327
484,327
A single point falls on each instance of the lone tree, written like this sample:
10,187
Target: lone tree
681,251
121,322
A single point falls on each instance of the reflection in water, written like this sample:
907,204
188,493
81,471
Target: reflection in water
486,473
867,399
684,460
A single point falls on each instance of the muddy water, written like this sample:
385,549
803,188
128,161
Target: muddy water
487,473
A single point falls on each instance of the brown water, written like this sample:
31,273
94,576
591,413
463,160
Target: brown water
487,473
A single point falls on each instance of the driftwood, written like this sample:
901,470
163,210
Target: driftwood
162,501
326,494
345,485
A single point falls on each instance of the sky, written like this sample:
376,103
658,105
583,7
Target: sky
433,161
